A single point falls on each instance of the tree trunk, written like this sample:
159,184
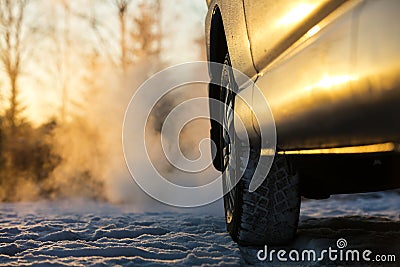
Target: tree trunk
13,101
122,23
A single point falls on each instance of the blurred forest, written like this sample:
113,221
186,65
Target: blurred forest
84,58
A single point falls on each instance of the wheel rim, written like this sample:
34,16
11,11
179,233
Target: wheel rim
228,138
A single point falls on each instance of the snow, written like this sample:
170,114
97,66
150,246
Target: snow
366,221
82,233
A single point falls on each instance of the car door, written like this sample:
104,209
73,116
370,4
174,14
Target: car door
274,25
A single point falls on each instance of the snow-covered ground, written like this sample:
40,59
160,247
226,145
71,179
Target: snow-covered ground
77,233
366,221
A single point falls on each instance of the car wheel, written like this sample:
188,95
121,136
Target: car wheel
270,214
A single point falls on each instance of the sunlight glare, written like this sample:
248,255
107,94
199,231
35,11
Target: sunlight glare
296,14
313,31
328,82
385,147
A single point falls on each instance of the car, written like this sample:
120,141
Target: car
330,73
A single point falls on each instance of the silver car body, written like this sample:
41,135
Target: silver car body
330,70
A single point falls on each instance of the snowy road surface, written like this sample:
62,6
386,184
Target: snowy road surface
86,233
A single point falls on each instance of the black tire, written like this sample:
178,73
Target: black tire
270,214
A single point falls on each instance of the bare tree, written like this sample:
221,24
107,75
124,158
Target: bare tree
105,34
63,62
122,6
139,35
11,20
147,35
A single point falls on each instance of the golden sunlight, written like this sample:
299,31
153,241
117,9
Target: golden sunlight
327,82
296,14
313,31
385,147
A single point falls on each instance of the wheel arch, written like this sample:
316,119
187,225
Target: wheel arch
218,46
217,49
226,31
